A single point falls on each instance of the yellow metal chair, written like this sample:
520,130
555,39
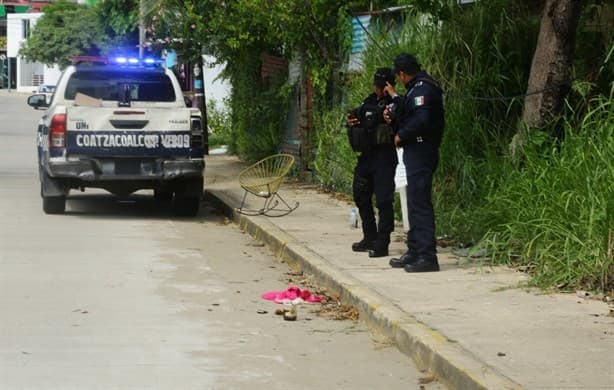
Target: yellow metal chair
263,179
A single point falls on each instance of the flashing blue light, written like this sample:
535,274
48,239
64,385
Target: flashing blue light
133,61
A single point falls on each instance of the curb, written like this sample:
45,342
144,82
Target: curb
452,364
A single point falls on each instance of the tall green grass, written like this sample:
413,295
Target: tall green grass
334,159
555,213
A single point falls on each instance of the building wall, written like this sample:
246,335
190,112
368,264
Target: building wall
29,74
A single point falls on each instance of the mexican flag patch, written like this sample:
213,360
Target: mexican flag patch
419,101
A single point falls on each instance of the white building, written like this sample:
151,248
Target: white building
29,74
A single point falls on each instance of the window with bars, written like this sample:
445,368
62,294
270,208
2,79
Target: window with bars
25,30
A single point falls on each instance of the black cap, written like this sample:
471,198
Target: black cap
383,76
407,63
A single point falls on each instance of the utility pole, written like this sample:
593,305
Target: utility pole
141,27
9,72
3,69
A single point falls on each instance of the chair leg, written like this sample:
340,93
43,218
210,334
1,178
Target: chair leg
243,201
266,206
275,212
270,207
241,210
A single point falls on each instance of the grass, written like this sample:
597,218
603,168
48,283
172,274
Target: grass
556,211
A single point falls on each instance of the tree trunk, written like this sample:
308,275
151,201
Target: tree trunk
551,67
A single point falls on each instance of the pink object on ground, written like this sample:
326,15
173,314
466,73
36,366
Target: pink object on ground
290,294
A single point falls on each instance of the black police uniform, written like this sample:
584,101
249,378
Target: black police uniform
420,126
374,174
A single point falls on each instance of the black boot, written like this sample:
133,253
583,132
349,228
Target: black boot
408,257
380,249
423,264
363,245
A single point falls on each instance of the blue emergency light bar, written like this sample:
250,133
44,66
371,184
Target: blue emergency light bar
132,61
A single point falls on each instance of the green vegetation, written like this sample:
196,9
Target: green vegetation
237,33
555,212
219,124
68,29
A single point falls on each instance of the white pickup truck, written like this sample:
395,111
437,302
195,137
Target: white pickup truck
122,126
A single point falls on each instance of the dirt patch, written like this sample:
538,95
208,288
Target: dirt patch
337,311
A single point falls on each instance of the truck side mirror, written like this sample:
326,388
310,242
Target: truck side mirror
37,101
187,101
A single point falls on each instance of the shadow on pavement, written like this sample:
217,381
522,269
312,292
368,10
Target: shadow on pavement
136,206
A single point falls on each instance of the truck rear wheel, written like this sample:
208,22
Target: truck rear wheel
186,206
163,195
54,204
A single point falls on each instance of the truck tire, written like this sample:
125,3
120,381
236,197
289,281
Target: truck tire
163,195
54,204
187,196
186,206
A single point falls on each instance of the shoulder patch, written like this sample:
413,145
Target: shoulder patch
419,101
419,83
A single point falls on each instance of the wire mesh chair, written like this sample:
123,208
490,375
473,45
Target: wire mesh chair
263,179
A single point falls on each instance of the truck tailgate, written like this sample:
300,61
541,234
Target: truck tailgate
129,132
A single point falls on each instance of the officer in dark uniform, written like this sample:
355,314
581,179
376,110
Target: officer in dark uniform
419,123
375,169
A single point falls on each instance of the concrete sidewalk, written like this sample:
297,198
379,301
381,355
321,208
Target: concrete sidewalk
468,324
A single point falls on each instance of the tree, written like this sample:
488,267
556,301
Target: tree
64,30
67,29
118,21
550,75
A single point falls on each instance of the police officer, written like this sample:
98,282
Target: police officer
375,169
419,124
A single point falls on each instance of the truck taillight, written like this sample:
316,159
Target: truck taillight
57,131
197,133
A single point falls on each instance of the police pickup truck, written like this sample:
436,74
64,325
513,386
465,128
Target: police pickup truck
122,125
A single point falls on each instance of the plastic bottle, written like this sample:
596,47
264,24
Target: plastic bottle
291,313
353,219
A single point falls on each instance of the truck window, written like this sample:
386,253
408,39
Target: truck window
106,85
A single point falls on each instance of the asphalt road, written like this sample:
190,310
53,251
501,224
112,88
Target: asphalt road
119,294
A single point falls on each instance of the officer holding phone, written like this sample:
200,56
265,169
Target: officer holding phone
370,135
